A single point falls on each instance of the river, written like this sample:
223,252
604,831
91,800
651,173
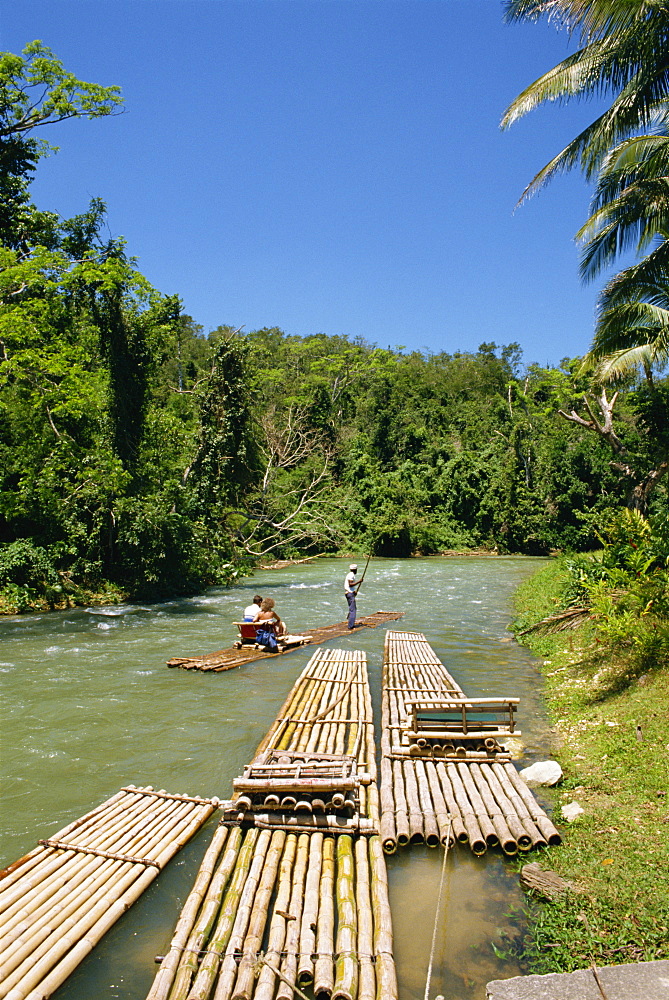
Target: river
89,706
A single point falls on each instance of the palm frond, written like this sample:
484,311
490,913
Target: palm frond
620,365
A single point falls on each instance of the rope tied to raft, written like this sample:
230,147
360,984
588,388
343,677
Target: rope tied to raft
438,909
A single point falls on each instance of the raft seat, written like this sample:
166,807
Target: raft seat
247,632
462,718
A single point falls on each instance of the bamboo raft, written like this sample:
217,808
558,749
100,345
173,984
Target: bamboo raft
293,890
226,659
444,775
58,901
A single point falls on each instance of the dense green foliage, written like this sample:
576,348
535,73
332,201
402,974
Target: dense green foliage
140,456
606,687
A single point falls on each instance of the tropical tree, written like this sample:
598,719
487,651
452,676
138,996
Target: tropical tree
624,46
630,209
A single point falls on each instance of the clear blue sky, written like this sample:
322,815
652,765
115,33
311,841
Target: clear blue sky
327,166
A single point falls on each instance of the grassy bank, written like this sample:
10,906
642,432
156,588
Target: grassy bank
610,712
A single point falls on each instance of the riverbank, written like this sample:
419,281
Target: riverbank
18,599
611,737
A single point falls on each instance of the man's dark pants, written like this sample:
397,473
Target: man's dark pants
352,611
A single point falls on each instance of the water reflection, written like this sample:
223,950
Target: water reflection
90,707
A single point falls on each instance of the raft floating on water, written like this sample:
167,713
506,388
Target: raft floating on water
293,890
444,774
226,659
58,901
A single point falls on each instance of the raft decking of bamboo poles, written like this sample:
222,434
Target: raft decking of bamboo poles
226,659
468,791
58,901
293,892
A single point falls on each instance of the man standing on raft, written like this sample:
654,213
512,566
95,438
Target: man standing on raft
351,589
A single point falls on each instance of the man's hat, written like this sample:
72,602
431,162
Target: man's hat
353,566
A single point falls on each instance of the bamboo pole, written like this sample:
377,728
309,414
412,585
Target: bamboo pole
536,837
538,815
505,838
386,978
441,812
228,970
208,969
288,967
324,966
461,772
73,921
201,930
453,787
254,935
198,895
277,931
305,964
427,808
401,809
416,828
522,836
346,964
365,944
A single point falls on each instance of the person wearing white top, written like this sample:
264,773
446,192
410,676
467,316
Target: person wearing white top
351,589
253,610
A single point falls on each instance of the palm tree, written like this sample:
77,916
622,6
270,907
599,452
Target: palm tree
630,208
624,53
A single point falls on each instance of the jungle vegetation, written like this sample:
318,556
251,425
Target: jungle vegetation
141,455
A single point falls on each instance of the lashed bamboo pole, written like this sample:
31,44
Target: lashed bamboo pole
288,967
365,944
201,931
198,894
538,815
386,977
324,965
253,940
208,969
459,829
536,837
346,963
228,969
483,773
277,932
401,808
47,946
15,871
49,902
309,923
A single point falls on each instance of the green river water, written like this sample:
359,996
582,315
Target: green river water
89,706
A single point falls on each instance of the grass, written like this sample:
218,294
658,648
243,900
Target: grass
612,741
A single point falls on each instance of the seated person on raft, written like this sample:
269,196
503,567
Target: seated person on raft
269,625
253,610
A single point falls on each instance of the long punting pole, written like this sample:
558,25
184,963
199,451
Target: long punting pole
364,572
298,896
429,791
58,901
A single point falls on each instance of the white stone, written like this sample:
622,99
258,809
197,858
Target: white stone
544,772
571,811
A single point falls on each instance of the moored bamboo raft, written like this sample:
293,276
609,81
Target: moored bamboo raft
290,896
226,659
432,791
58,901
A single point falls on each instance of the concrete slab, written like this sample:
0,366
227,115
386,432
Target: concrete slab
637,981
